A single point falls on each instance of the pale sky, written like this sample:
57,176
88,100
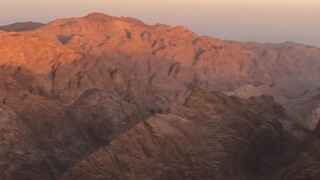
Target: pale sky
243,20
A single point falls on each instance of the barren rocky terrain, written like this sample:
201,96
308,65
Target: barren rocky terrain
103,97
212,136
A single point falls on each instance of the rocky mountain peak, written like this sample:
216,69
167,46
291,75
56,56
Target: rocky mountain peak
100,17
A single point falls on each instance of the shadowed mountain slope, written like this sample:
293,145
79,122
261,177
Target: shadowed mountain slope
307,164
212,136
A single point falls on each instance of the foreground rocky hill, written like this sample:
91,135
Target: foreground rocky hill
212,136
75,85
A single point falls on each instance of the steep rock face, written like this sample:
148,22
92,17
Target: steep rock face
212,136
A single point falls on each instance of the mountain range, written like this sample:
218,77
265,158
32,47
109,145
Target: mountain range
104,97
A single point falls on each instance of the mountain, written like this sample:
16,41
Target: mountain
288,71
21,26
212,136
76,89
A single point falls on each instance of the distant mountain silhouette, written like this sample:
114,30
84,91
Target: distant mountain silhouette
21,26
